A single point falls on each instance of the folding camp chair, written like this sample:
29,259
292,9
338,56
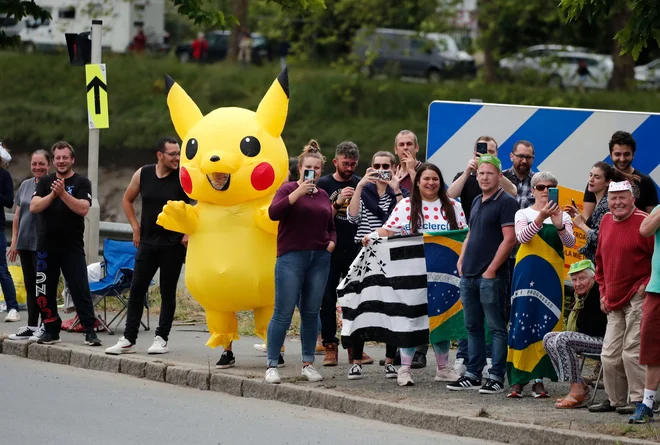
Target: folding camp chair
119,258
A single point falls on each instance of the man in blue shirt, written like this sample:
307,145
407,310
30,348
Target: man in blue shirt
484,273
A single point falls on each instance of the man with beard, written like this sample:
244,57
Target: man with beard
520,174
340,187
406,148
622,151
158,248
62,200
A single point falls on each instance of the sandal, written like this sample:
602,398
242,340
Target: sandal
573,401
539,392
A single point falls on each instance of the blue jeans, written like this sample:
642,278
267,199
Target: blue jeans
6,282
300,277
485,298
462,351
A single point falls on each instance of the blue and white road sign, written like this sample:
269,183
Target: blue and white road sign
567,141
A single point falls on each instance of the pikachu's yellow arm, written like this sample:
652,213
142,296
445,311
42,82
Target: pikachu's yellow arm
263,220
179,217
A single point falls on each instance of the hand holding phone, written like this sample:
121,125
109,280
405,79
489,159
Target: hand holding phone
482,148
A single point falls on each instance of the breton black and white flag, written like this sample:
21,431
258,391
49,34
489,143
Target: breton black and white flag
384,295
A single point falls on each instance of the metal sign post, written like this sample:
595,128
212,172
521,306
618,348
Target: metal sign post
94,214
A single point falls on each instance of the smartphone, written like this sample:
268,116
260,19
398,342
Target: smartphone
573,202
482,147
309,175
385,175
553,195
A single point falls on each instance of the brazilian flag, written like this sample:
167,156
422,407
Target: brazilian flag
442,250
537,306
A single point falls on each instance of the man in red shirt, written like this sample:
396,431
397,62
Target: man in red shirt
200,48
623,269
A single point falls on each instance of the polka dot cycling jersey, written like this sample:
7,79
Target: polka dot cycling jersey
433,220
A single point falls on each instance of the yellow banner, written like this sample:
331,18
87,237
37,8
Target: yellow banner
571,255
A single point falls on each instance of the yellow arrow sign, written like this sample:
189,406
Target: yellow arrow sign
97,96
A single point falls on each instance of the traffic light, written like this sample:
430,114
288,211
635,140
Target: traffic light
80,48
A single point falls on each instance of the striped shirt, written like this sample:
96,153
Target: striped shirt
526,227
366,221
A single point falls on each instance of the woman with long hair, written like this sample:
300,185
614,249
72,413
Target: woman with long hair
305,238
24,240
429,209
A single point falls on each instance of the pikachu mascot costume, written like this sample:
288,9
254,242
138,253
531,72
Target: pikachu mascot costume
233,160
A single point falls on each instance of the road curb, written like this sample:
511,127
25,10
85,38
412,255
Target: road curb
183,374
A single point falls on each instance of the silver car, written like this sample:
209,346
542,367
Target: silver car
648,76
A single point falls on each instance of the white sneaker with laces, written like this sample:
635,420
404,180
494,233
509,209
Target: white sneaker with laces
261,347
459,366
404,377
311,374
447,374
272,376
123,346
12,316
486,371
159,346
38,333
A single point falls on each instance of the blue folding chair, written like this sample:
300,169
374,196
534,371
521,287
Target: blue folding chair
119,258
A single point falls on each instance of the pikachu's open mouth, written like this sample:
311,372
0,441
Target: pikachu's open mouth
219,181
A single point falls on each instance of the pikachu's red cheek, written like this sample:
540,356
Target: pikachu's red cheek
186,182
263,176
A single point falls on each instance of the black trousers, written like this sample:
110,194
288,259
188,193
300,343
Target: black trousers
74,268
358,349
29,268
149,258
339,264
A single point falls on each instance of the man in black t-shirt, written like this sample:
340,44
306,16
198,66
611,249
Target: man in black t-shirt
62,200
158,248
622,151
340,187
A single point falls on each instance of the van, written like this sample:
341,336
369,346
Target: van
408,53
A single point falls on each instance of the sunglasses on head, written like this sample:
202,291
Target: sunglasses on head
541,187
381,166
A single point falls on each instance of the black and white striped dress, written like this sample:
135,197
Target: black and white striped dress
366,221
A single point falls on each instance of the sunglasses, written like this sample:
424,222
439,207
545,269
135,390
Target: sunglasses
541,187
381,166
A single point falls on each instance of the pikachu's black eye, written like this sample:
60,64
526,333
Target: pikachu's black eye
250,146
191,148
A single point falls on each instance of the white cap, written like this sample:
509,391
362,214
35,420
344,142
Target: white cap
620,186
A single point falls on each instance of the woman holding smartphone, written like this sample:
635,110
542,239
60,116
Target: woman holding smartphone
305,238
537,304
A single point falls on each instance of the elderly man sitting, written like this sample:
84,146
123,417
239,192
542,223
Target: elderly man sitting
585,332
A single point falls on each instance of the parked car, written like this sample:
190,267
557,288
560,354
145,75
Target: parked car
407,53
648,76
219,44
558,64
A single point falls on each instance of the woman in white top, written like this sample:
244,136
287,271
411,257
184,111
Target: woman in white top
537,304
429,209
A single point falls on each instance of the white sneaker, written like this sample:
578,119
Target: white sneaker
272,376
447,374
123,346
261,348
311,374
159,346
486,371
459,366
38,333
404,376
12,316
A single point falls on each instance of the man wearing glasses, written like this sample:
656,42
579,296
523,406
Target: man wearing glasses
158,248
520,174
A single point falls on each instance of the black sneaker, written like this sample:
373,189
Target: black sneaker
491,387
91,339
227,360
464,383
604,407
23,334
280,361
355,373
49,338
418,361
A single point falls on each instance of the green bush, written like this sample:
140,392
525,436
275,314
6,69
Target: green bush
43,100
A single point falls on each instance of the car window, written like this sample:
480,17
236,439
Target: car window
258,41
390,43
418,46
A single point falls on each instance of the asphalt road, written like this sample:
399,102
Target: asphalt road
47,403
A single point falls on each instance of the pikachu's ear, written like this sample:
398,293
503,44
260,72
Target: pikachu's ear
184,112
272,110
